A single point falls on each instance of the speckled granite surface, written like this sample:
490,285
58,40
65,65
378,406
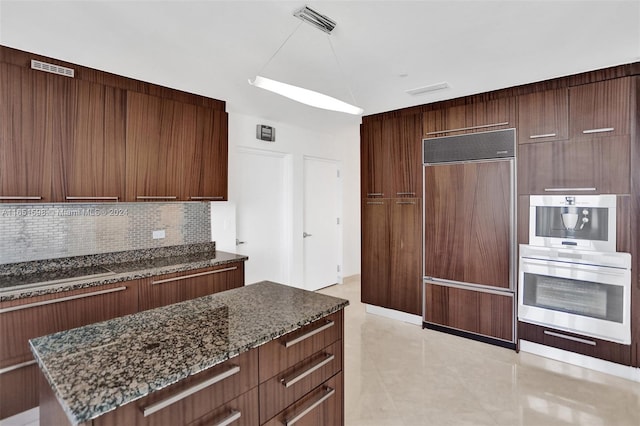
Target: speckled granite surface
45,277
99,367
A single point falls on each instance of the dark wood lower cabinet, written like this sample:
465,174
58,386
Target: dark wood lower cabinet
18,390
477,312
596,348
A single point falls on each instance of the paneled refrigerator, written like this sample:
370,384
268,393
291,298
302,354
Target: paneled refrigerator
470,235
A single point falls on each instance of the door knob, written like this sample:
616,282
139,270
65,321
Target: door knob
238,242
305,235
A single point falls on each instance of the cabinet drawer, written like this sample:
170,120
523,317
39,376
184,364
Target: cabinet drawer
18,390
192,398
288,350
242,411
292,384
173,288
24,319
323,406
585,345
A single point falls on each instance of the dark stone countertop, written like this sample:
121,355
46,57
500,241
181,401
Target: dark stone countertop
97,368
28,279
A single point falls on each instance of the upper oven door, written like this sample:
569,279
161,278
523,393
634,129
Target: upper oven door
581,298
585,222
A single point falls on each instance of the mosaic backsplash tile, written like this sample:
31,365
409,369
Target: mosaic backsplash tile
47,231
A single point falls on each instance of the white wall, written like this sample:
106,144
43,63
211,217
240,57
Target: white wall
298,142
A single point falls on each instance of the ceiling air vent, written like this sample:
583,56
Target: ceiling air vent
427,89
318,20
55,69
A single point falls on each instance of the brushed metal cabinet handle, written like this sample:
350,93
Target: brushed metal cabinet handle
292,381
568,189
573,339
184,277
546,135
16,366
406,193
377,203
602,130
232,417
375,194
483,126
153,408
305,336
62,299
20,197
156,197
74,198
328,393
406,202
213,197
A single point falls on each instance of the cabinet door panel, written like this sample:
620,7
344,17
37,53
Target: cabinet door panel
406,262
374,160
600,163
599,106
93,158
18,390
543,116
467,222
474,117
375,252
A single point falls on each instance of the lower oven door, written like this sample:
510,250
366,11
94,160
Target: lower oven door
592,300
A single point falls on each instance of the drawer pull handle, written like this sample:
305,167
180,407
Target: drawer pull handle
377,203
568,189
153,408
483,126
406,202
305,336
290,382
375,194
62,299
406,193
20,197
232,417
602,130
328,394
16,366
71,198
156,197
573,339
546,135
217,271
213,197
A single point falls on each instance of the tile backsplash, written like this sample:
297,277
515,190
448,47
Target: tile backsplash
48,231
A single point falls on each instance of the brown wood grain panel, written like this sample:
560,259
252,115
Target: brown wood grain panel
605,104
623,223
523,219
275,396
603,349
470,117
162,294
19,391
375,250
405,242
246,404
330,412
471,311
602,163
275,357
466,225
374,160
18,326
543,113
93,158
635,223
403,135
195,406
50,412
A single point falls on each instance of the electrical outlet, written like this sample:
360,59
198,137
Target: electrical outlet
157,235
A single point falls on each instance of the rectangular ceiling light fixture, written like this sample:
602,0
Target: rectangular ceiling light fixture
318,20
426,89
55,69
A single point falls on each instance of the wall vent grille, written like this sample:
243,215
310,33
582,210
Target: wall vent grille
54,69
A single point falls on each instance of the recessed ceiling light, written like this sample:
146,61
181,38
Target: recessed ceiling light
426,89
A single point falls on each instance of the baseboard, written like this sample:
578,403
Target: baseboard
607,367
394,315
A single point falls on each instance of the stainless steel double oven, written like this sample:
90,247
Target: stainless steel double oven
570,276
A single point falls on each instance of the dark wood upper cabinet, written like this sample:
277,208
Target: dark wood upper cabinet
403,136
374,160
600,109
543,116
93,157
469,118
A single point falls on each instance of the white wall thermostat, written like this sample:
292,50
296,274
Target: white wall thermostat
265,133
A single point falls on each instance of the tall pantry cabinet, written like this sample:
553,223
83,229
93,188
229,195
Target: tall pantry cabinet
391,176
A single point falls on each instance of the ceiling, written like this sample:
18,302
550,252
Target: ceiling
383,48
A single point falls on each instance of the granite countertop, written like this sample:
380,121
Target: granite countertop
37,278
97,368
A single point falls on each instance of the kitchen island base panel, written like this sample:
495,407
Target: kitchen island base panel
51,412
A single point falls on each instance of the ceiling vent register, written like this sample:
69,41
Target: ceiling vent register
318,20
54,69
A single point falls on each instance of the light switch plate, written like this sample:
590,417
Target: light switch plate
159,234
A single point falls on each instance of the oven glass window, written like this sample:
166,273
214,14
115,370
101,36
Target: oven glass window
586,298
581,223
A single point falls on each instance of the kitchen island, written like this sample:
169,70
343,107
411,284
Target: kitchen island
190,362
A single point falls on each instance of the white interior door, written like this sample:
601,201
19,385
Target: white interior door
322,248
262,212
